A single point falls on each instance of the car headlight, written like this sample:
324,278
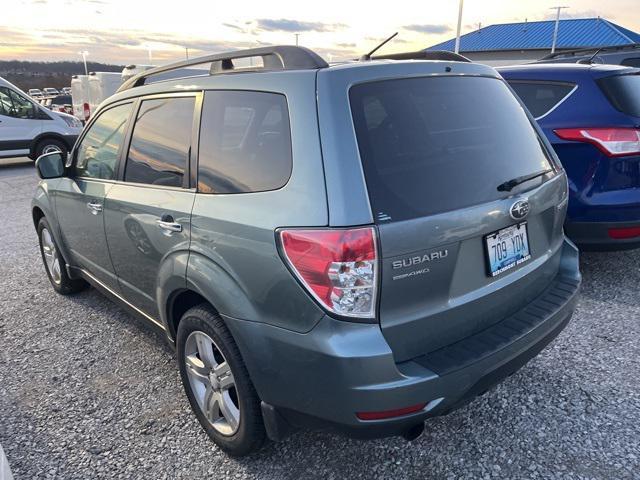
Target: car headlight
72,121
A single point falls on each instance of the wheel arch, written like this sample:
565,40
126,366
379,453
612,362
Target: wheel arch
178,303
37,213
45,135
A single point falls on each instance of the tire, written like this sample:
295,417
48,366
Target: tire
200,328
48,145
54,264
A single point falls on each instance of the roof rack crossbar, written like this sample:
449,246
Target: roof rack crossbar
279,57
584,51
424,55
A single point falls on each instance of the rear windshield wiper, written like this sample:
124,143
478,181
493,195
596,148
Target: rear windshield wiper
509,184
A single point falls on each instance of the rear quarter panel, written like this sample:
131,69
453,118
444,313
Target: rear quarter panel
234,260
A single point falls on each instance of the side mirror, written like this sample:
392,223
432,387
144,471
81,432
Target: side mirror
50,165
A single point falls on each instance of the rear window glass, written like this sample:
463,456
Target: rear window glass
541,97
623,91
431,145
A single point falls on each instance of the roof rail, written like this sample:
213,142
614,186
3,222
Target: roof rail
585,51
424,55
278,57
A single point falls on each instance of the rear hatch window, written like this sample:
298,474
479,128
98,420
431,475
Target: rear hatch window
623,91
435,144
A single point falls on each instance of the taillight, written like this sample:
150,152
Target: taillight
611,141
622,233
338,267
86,111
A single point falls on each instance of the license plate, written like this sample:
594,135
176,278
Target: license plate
507,248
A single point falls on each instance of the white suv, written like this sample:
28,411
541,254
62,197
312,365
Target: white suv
28,129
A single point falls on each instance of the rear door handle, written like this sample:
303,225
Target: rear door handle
94,207
168,225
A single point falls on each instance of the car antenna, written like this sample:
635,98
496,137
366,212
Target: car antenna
367,56
589,61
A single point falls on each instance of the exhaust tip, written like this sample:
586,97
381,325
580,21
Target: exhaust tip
414,432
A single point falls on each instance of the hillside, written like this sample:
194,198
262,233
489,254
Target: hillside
26,75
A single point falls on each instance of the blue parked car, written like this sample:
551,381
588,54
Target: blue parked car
591,116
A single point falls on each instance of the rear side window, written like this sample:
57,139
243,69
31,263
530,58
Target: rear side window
245,142
541,97
631,62
435,144
161,142
623,91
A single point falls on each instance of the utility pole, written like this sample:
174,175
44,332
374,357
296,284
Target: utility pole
186,51
297,35
555,28
457,49
84,54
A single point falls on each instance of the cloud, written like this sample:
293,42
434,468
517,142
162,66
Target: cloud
428,28
234,26
292,26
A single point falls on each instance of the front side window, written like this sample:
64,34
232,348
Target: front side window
161,142
98,151
12,104
541,97
245,142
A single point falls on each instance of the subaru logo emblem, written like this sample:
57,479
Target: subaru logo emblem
519,210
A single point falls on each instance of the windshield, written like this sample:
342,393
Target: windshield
435,144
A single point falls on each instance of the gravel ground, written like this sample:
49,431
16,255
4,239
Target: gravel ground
86,391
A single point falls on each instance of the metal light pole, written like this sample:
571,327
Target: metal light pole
457,49
297,35
555,28
84,54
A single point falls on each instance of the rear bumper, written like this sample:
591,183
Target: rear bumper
595,235
320,379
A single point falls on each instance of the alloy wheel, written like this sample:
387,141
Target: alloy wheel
51,256
212,383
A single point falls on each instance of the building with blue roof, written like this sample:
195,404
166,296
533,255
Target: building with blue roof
513,43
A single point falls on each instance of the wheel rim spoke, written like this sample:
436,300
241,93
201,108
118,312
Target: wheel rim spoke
229,411
212,403
196,369
205,351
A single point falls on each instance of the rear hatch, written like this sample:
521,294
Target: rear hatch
462,244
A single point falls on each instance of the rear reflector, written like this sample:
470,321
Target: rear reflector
611,141
623,233
399,412
337,266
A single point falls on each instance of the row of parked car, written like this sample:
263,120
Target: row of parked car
356,246
28,129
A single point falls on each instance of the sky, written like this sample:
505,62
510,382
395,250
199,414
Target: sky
155,32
